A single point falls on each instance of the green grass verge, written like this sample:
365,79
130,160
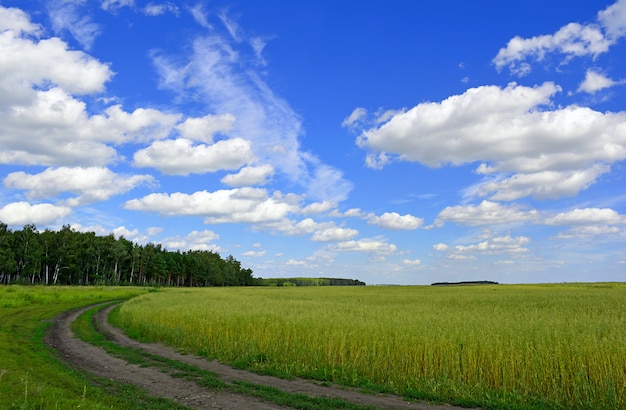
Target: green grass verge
32,377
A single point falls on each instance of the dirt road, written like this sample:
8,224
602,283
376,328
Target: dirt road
83,356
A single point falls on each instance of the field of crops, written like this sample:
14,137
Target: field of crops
517,346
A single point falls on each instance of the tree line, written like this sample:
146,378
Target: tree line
311,282
69,257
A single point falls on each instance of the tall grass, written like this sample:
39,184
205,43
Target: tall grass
558,346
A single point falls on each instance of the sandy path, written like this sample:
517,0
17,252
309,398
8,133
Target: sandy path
81,355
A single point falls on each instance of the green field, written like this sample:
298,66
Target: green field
499,346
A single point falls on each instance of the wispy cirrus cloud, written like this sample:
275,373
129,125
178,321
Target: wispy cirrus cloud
222,70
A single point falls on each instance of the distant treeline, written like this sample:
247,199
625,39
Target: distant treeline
68,257
311,282
466,283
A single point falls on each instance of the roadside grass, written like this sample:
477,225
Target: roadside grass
502,346
31,377
85,329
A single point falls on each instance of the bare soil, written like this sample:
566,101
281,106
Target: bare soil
83,356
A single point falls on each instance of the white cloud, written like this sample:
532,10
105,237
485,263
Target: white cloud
90,184
254,254
485,213
354,117
25,62
393,220
371,246
154,9
319,207
489,245
580,232
237,205
249,176
200,15
596,81
14,22
195,240
42,122
258,44
22,213
68,16
412,262
231,25
114,5
321,232
587,216
333,233
507,131
54,129
541,185
355,212
571,40
203,129
125,232
613,20
182,157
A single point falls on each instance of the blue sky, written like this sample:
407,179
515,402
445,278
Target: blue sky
397,142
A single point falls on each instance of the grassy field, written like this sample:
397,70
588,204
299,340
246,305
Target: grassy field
30,376
501,346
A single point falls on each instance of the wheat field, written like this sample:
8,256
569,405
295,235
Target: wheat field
542,346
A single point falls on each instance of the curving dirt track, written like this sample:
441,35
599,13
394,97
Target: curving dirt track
83,356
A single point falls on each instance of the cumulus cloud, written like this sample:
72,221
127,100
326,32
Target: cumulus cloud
393,220
508,131
587,222
485,213
596,81
90,184
488,245
249,176
251,205
571,40
15,22
25,62
613,20
541,185
366,245
587,216
321,231
319,207
22,213
42,119
182,157
333,233
204,128
195,240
